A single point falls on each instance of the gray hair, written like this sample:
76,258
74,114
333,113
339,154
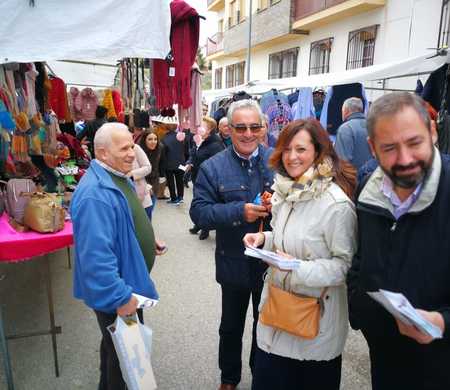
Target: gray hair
246,104
391,104
353,104
103,136
222,121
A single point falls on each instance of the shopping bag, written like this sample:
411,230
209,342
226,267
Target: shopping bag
133,342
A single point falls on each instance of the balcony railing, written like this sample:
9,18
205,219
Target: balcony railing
214,44
304,8
444,26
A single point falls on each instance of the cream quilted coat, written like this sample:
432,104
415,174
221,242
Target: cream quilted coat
318,228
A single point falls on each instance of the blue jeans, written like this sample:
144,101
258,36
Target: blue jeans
149,210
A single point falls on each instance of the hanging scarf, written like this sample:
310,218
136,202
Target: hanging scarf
184,39
314,182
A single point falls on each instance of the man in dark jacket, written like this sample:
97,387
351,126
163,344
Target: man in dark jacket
210,145
91,128
224,195
404,245
351,142
175,156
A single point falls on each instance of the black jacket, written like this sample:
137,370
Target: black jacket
89,132
411,256
175,151
208,148
226,182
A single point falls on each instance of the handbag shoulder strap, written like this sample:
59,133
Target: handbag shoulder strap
324,291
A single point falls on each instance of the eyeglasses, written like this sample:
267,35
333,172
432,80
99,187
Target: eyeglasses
240,128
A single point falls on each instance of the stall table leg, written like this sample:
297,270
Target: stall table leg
5,353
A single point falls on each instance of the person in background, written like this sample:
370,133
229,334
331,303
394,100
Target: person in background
264,139
403,246
113,260
225,199
141,169
175,156
351,139
155,153
314,220
87,134
224,132
210,145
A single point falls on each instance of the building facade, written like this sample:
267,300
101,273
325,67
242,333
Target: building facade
302,37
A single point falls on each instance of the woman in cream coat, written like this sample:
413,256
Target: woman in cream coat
314,220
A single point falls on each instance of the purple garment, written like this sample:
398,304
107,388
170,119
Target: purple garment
400,208
279,115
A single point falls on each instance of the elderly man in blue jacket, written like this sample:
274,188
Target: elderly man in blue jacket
226,200
114,242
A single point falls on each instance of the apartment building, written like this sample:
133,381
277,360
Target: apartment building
304,37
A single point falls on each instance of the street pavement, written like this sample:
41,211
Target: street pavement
185,323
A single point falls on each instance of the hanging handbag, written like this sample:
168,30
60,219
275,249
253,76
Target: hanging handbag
292,313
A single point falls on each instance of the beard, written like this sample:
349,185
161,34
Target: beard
413,180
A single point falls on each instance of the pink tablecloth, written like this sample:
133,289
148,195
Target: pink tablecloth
15,246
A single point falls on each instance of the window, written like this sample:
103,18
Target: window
319,56
361,47
220,26
444,26
263,4
235,74
218,78
283,64
236,12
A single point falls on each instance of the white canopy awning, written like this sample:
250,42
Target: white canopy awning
76,30
92,74
409,66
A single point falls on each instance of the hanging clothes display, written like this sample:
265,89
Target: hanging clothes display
279,115
89,103
432,91
75,104
272,97
304,107
191,118
331,116
109,104
171,81
57,99
118,105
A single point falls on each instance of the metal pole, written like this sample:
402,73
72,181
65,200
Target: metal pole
250,16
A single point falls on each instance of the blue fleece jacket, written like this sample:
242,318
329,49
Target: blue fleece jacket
109,264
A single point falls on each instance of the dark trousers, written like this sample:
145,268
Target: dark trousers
110,373
281,373
175,177
235,303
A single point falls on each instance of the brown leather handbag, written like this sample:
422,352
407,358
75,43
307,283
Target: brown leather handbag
292,313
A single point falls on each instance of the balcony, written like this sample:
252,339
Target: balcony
216,5
214,45
269,26
309,14
444,26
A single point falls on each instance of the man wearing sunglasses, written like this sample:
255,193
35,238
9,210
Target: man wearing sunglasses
226,197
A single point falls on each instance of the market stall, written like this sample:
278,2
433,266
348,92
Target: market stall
47,48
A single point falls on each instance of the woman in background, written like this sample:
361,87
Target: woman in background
154,151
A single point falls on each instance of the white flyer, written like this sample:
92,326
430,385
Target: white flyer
399,306
273,258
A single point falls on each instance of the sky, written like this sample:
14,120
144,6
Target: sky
208,27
